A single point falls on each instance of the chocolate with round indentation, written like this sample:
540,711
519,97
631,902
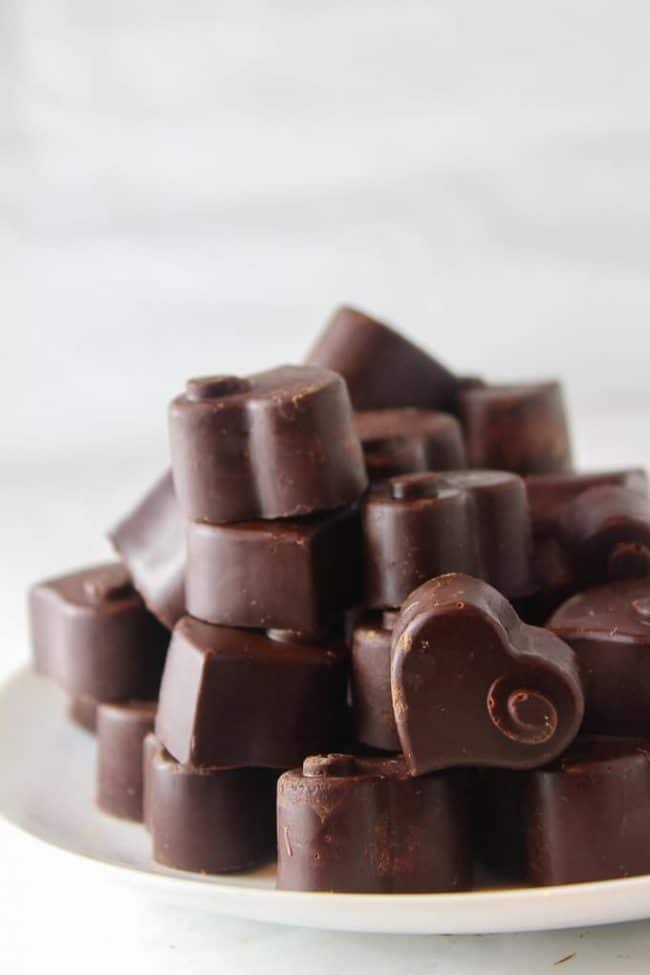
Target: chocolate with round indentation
276,444
406,441
372,703
417,526
150,540
93,635
473,685
608,628
382,369
121,730
82,710
363,825
298,574
210,820
521,428
583,817
244,697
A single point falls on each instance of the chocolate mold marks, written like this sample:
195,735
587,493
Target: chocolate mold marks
473,685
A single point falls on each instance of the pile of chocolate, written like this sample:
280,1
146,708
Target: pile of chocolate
407,638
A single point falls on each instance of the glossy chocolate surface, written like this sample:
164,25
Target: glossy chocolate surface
276,444
244,697
382,369
473,685
121,730
217,820
363,825
519,428
93,635
150,540
290,574
419,526
406,441
549,493
372,702
608,628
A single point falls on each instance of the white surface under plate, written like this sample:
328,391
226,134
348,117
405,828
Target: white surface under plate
46,790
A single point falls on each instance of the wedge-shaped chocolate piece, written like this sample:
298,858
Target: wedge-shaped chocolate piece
609,630
244,697
150,540
382,368
299,574
417,526
582,818
516,428
218,820
277,444
407,441
363,825
473,685
93,635
121,730
372,702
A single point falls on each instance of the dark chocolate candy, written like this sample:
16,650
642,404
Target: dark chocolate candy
82,710
93,635
150,747
473,685
150,540
417,526
609,630
277,444
246,697
516,428
363,825
372,702
121,730
582,818
216,820
292,575
382,369
406,441
549,493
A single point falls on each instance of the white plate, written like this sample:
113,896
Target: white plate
46,789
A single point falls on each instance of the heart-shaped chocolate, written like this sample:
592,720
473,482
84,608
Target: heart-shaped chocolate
473,685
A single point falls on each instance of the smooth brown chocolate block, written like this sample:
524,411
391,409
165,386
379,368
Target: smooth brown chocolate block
372,702
276,444
245,697
473,685
82,710
382,369
93,635
520,428
609,630
582,818
299,574
150,747
406,441
417,526
549,493
210,820
150,540
363,825
121,730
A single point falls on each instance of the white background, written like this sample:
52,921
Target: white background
190,187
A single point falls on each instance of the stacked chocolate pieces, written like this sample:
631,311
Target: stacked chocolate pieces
493,698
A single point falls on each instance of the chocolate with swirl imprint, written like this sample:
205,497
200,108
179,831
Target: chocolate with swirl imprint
473,685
